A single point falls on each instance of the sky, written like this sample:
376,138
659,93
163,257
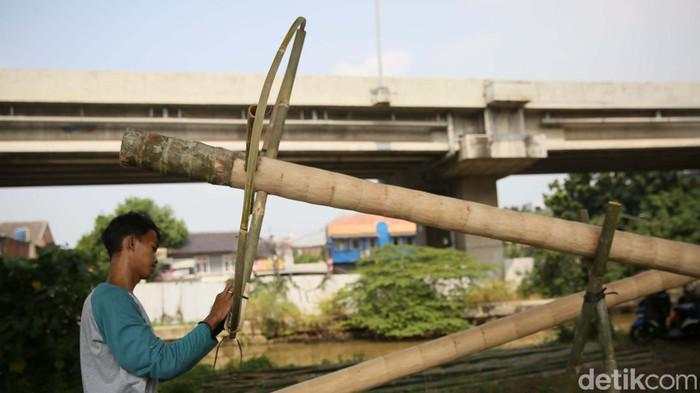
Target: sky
541,40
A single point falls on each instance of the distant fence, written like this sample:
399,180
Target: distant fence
190,301
172,302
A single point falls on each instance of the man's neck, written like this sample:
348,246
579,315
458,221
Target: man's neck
121,276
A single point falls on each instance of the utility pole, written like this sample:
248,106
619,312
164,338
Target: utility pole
380,94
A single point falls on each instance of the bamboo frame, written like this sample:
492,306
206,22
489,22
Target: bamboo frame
200,162
219,166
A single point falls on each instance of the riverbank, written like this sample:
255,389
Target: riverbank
532,364
286,353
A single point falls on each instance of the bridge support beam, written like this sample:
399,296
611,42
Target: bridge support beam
480,189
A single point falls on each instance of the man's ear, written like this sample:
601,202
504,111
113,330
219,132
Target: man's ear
129,242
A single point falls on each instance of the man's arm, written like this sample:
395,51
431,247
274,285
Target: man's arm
134,345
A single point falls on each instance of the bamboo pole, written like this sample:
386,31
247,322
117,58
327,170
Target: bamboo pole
594,311
253,210
398,364
200,162
583,324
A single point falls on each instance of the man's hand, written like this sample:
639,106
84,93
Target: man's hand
220,308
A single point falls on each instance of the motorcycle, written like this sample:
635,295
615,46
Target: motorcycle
651,315
685,320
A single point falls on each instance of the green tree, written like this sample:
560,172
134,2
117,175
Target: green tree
409,291
672,214
173,230
40,302
664,204
269,310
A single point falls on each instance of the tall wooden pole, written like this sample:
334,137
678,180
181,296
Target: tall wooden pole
200,162
594,311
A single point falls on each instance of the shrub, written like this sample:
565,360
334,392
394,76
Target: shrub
490,291
41,302
269,311
307,258
409,291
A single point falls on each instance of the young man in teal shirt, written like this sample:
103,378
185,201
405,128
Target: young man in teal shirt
118,350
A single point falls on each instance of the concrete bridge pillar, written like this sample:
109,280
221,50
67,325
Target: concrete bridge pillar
429,236
481,189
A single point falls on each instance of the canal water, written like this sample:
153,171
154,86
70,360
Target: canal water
283,354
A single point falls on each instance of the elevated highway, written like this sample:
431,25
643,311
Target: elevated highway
64,127
449,136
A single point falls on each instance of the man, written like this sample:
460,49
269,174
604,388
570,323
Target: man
118,350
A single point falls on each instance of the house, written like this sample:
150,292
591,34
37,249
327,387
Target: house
351,237
309,247
210,256
24,238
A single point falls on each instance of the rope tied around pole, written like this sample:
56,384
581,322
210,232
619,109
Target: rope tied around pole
595,297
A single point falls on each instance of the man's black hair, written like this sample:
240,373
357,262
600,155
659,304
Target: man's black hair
132,223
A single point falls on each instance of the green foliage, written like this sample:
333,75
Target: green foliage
257,363
41,301
672,214
195,380
664,204
306,258
408,291
592,191
173,230
334,312
269,311
490,291
189,382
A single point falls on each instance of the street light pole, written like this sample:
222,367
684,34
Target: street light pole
380,94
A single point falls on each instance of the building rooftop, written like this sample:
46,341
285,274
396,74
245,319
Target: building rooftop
363,225
37,231
206,243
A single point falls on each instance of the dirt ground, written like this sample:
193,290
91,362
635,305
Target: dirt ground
510,370
679,357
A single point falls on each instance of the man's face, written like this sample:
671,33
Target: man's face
143,258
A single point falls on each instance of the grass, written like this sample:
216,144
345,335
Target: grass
192,380
188,382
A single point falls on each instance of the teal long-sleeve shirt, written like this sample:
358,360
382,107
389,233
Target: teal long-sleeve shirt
123,327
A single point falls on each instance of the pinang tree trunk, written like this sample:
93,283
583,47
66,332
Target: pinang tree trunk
201,162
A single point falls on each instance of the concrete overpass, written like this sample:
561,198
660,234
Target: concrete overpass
449,136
